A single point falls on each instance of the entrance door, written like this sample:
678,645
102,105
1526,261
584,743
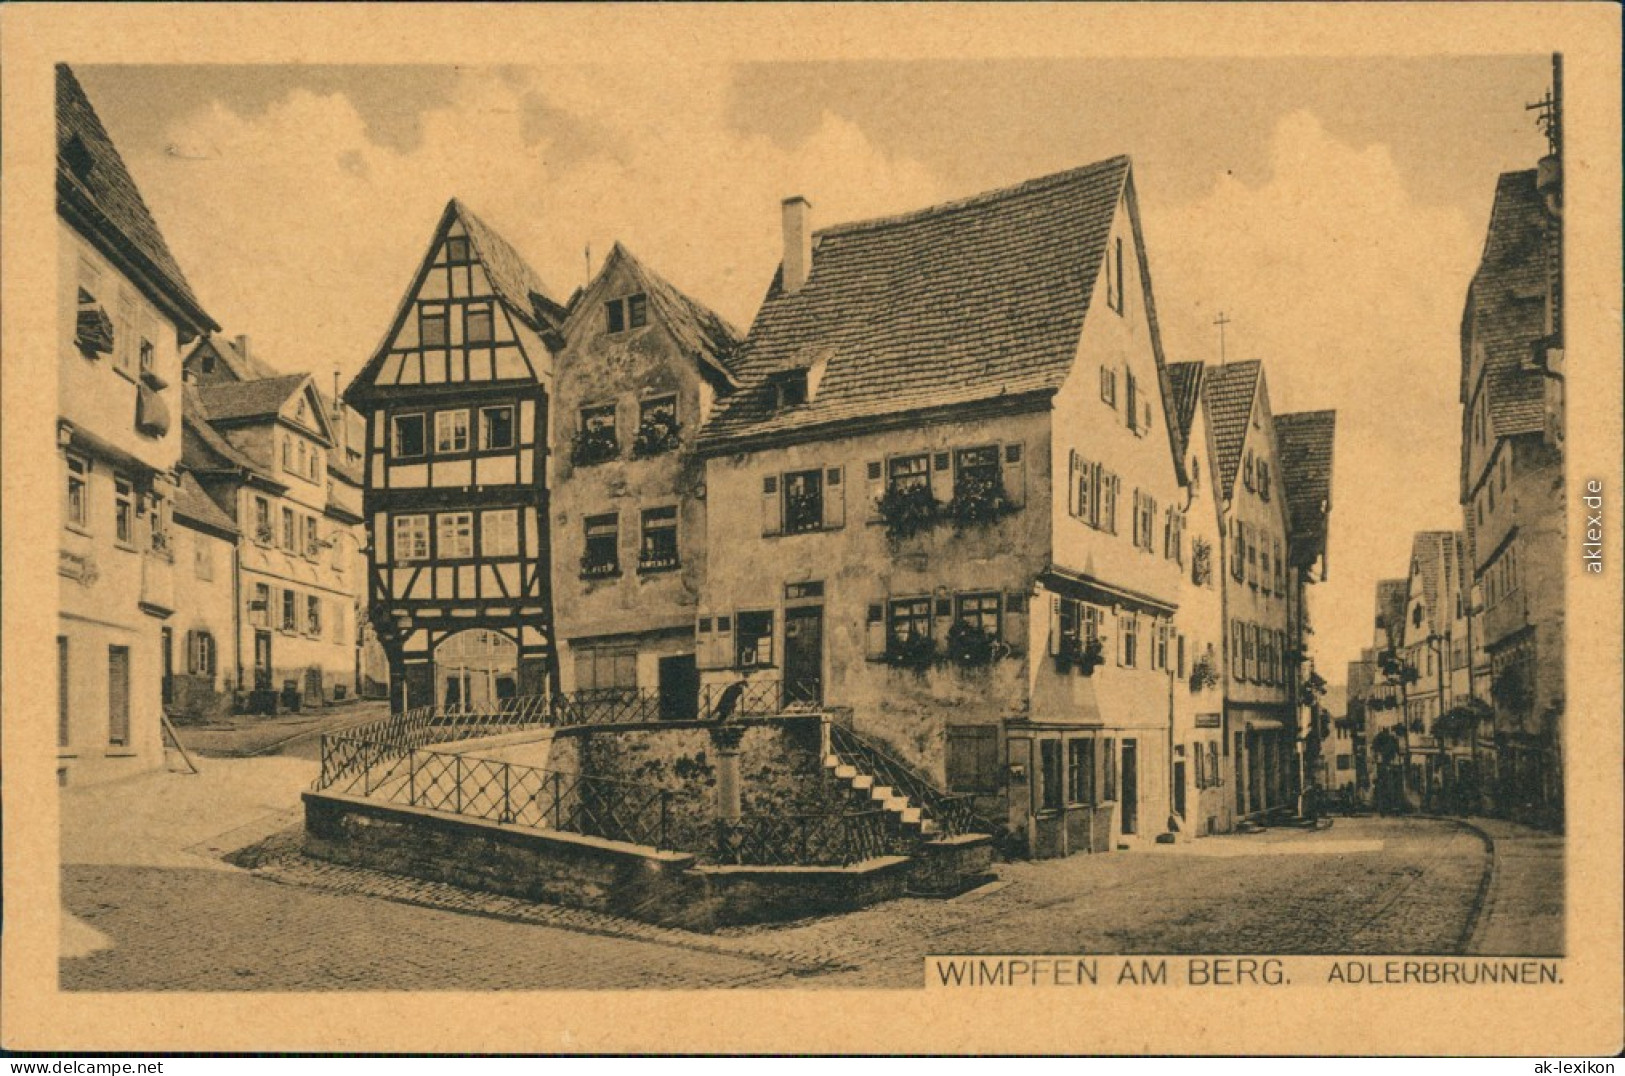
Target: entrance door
679,688
804,655
1179,787
167,638
262,660
1131,787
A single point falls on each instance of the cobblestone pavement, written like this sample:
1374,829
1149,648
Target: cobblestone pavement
1394,886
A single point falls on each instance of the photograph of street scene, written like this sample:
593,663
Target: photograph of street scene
766,524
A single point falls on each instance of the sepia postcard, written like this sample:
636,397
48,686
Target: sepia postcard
821,529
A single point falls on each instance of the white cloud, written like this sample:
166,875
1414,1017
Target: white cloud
1351,293
298,230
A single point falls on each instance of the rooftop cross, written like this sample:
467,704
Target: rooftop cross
1221,321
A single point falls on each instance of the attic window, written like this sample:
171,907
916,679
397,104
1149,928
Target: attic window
789,389
631,312
78,157
1114,276
457,248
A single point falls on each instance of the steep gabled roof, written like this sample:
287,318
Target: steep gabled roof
202,447
194,506
977,300
514,281
1303,441
1185,394
1437,555
1506,308
1230,391
1391,595
250,399
699,331
241,365
93,182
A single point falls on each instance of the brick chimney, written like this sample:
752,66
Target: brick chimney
797,244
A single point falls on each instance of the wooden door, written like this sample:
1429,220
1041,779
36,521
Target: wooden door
804,655
679,688
262,660
1131,787
167,638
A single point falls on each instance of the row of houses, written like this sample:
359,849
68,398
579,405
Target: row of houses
1460,699
211,554
947,488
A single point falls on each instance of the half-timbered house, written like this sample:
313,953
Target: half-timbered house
457,399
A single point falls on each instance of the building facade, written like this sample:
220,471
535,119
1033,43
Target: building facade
1260,592
640,371
1512,481
948,500
124,311
457,401
202,671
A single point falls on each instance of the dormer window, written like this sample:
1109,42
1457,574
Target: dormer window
789,389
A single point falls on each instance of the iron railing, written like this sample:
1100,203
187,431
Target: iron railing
829,839
954,814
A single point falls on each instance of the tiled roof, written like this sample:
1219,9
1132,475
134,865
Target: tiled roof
1391,603
242,366
1185,390
698,330
959,303
91,176
1303,441
249,399
1229,391
1506,305
191,503
512,277
202,447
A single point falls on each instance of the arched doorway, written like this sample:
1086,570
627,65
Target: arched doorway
476,667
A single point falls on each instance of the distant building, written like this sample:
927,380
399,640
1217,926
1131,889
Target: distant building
1200,754
948,498
1512,478
204,670
458,401
640,372
124,310
1260,591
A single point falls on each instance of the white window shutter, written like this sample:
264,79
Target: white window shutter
772,506
1054,624
1072,502
834,497
876,472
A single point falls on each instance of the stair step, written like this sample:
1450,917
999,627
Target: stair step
832,761
912,815
863,782
849,773
880,792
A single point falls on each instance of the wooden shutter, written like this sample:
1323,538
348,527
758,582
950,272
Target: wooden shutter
1054,624
118,695
191,653
834,497
875,632
876,473
1015,474
1072,501
772,506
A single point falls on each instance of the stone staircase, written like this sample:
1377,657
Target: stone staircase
866,788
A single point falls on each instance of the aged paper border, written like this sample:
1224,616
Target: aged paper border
1582,1015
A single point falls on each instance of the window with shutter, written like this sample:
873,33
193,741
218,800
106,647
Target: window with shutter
834,498
875,475
1015,475
973,759
772,507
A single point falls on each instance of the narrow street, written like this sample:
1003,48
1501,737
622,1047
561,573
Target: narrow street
154,906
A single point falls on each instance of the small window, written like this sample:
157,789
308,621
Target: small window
657,426
290,530
454,534
615,316
310,537
1081,771
260,608
203,658
149,357
905,473
909,619
596,440
457,249
976,472
637,312
77,510
1114,290
658,549
1128,635
432,326
123,510
262,522
477,323
451,431
754,641
1108,766
980,611
602,555
789,389
411,538
407,435
1052,786
803,502
496,427
1108,385
797,592
290,611
499,533
313,615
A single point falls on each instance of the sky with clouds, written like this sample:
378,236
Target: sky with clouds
1333,209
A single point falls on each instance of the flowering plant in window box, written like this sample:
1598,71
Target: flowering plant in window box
264,535
803,509
1203,673
977,502
971,646
594,445
657,433
592,568
916,651
1201,561
1082,654
908,510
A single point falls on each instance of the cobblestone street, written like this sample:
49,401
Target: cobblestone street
166,912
